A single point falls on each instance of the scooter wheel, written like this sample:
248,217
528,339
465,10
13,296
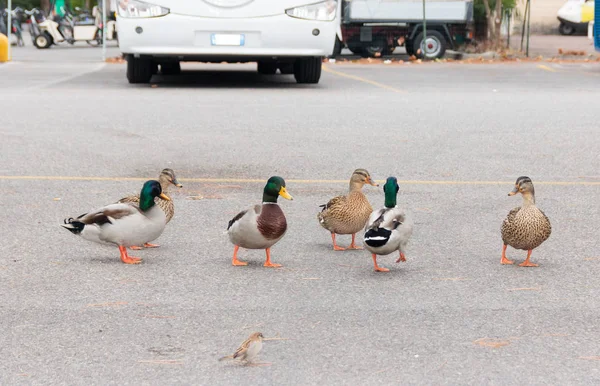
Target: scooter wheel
42,41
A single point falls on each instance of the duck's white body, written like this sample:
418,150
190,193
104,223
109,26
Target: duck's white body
388,230
120,224
259,227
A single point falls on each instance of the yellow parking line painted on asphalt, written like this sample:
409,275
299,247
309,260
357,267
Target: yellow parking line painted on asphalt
363,80
300,181
546,68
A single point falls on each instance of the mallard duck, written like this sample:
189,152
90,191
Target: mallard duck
344,215
260,226
166,178
123,224
526,227
389,228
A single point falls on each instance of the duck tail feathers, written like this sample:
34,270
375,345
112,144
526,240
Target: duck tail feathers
73,225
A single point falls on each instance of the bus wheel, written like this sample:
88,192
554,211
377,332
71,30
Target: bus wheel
308,70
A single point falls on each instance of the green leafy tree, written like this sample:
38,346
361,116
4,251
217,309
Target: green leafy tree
491,11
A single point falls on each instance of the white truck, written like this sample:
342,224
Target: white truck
372,28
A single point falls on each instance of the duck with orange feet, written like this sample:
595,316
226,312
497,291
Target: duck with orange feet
389,229
123,224
345,215
525,227
261,226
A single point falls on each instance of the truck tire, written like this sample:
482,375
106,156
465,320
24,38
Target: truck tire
377,48
170,68
267,68
308,70
408,45
337,48
437,42
138,70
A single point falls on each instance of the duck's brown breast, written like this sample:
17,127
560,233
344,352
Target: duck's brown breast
271,221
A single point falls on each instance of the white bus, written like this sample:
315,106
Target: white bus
292,36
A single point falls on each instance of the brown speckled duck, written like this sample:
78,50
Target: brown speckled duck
344,215
526,227
166,178
260,226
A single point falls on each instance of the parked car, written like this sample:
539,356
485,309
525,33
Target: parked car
292,36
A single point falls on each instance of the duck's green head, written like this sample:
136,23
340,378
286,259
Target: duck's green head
150,190
274,188
391,189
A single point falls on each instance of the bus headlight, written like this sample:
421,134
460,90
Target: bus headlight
140,9
322,11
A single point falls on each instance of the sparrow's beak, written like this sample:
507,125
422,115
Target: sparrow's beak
283,193
514,191
164,197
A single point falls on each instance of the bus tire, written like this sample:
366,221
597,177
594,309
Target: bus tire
308,70
138,70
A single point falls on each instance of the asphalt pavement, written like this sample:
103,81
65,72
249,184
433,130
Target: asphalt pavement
75,136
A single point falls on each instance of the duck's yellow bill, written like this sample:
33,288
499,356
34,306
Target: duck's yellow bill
283,193
164,197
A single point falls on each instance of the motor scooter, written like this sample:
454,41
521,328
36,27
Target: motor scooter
574,16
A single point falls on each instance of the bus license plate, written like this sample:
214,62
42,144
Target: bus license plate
227,39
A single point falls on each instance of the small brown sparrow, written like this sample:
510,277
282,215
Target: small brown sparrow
249,349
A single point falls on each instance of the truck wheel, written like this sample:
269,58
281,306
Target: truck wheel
170,68
43,40
566,30
266,68
436,45
337,47
356,48
308,70
138,70
408,45
377,48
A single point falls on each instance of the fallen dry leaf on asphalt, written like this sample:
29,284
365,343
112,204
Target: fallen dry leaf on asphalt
494,343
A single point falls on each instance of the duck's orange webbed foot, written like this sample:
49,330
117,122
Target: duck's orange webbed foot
528,263
352,244
378,268
504,260
401,258
135,248
235,260
268,261
125,258
335,246
148,245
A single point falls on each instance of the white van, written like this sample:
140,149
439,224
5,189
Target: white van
290,35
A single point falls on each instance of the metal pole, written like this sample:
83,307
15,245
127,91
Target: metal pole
9,27
424,42
528,24
509,16
524,25
104,30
